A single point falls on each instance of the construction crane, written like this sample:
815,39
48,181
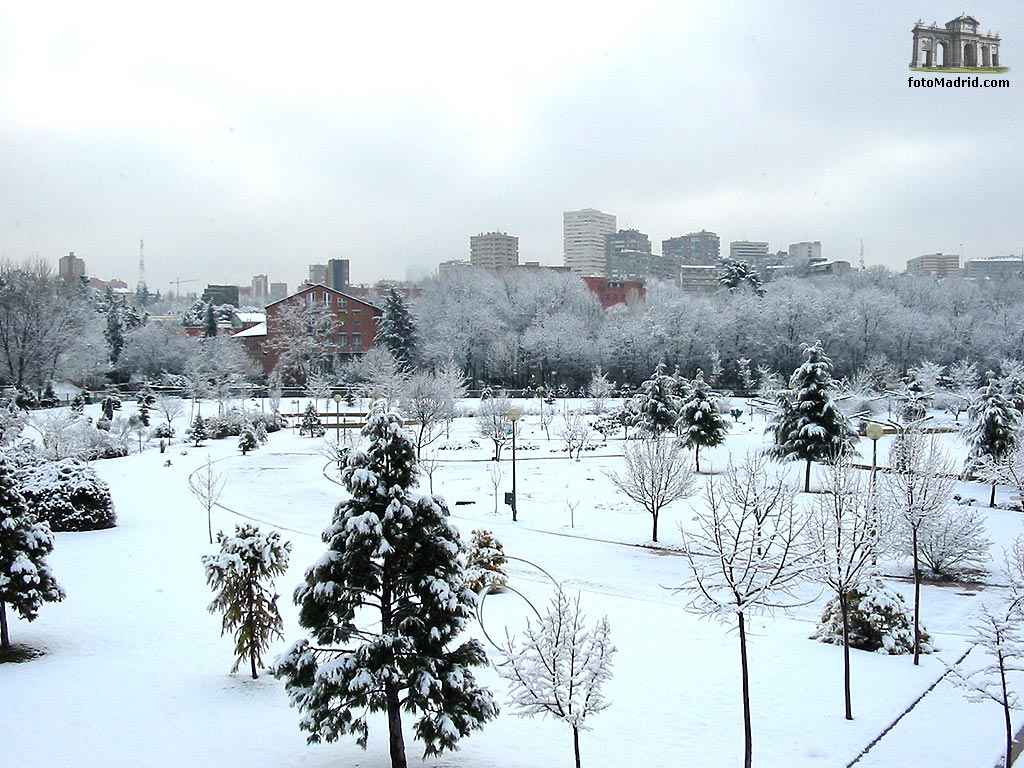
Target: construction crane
177,285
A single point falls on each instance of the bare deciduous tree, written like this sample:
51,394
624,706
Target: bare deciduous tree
575,432
560,666
656,474
919,487
747,555
846,533
207,486
493,422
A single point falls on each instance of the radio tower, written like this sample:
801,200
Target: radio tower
862,254
142,269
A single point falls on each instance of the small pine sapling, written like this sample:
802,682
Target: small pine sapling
560,666
247,441
701,424
198,431
26,581
145,401
242,576
311,424
485,562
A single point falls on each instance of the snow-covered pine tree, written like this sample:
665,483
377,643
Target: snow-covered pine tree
397,329
700,424
734,275
311,424
485,562
79,401
26,581
242,575
49,398
809,426
656,405
209,321
145,400
994,432
559,667
198,432
247,441
384,606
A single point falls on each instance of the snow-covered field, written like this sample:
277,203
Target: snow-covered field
135,672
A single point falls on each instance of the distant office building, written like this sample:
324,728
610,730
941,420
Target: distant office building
626,240
935,265
698,278
748,250
451,267
221,294
71,268
278,291
698,248
494,250
260,289
806,251
583,238
338,274
830,269
995,268
641,265
317,275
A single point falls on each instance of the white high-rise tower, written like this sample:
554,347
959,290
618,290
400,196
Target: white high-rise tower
583,234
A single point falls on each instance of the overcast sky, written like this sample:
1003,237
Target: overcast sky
241,141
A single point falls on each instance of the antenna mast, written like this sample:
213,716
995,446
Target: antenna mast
142,268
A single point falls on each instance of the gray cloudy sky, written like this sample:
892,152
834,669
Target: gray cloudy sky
237,140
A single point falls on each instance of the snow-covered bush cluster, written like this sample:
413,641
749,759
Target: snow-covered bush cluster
879,619
69,495
235,422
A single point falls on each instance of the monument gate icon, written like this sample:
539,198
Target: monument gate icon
958,44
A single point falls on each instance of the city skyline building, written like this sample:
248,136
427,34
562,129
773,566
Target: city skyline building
696,248
494,250
583,240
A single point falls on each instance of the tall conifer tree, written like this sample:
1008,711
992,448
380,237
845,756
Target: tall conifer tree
809,426
385,605
397,330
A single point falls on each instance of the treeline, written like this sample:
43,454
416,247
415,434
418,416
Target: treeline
521,329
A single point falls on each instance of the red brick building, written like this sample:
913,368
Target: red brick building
345,324
610,292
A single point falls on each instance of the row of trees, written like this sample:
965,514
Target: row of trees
515,329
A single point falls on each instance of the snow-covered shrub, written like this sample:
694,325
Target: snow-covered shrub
162,430
106,444
247,441
953,543
880,621
485,562
69,495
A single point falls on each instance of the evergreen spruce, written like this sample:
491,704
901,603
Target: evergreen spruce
198,432
239,573
737,274
49,398
311,424
656,406
809,425
397,329
26,581
384,606
79,401
209,321
994,432
144,402
485,562
247,441
700,424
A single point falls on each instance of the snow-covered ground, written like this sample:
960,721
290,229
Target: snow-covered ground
135,672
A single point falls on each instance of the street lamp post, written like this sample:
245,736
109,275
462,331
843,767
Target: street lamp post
514,414
337,414
874,432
